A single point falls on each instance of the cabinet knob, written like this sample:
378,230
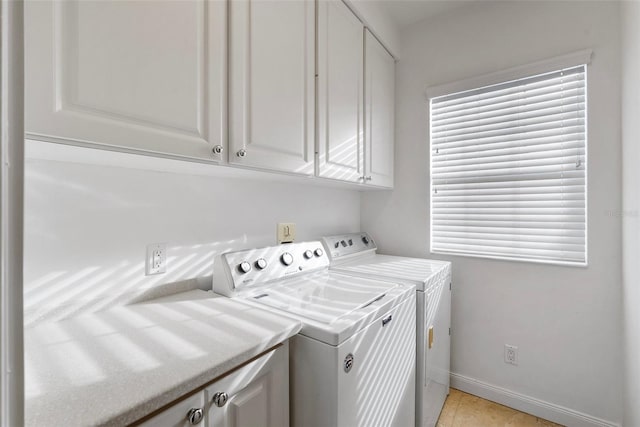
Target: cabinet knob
220,398
241,153
348,363
367,178
218,149
195,415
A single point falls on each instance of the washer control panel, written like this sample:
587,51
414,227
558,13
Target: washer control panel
342,245
235,270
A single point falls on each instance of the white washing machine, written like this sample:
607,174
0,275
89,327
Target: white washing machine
355,254
353,363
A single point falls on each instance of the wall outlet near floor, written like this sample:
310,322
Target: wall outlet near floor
156,262
286,232
510,354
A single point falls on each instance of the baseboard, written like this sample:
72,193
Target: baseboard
539,408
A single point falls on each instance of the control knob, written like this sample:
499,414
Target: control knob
365,240
308,254
286,258
318,252
261,264
244,267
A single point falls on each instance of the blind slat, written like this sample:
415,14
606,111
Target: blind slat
508,171
566,132
493,96
520,231
565,107
542,104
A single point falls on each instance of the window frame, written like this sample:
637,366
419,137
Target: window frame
575,59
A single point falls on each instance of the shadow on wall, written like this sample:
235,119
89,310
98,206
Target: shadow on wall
88,224
62,294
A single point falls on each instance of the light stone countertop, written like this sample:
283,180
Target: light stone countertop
117,366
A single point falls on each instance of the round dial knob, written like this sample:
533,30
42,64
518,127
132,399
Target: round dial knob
365,240
261,264
286,258
308,254
318,252
244,267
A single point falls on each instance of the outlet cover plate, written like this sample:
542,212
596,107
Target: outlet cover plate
286,232
156,262
511,354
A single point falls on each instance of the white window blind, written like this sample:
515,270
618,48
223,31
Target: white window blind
508,169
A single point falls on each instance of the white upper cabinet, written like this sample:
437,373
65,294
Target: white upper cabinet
379,113
147,76
271,91
340,92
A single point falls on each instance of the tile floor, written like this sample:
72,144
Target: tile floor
466,410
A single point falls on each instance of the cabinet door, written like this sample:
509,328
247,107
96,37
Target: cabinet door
178,415
379,113
254,395
131,75
340,99
272,76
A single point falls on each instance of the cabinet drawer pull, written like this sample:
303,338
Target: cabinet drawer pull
220,399
194,416
348,362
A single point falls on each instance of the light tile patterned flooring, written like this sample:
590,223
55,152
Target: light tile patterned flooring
466,410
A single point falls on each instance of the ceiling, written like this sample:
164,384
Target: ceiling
407,12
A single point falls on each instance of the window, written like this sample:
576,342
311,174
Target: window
508,169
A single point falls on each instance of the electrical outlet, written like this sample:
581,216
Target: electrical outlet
511,354
156,262
286,232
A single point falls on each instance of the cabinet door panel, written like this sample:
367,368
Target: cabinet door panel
136,75
257,394
340,82
272,76
379,107
250,406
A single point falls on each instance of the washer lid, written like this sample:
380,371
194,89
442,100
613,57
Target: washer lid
323,298
421,272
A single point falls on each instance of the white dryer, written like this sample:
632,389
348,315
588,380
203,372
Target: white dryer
353,363
355,254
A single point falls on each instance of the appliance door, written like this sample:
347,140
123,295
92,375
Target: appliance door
379,387
436,344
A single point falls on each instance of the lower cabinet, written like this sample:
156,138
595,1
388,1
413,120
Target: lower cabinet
256,394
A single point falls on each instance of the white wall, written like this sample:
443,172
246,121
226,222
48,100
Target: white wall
631,208
566,321
87,227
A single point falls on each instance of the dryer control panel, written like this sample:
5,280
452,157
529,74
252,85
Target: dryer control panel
236,270
343,245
